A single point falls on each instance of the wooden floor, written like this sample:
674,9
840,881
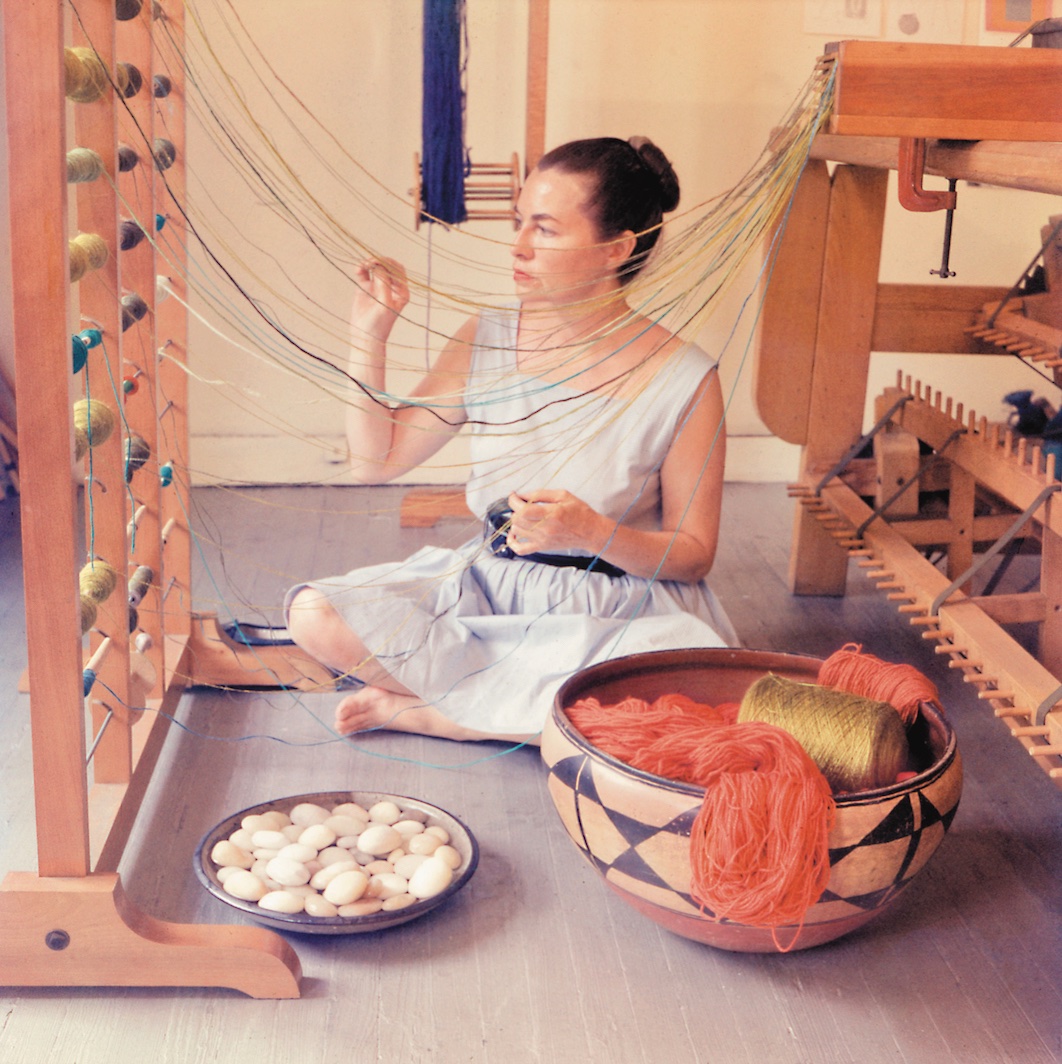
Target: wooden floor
535,961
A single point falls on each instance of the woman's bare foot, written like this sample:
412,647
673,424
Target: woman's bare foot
377,709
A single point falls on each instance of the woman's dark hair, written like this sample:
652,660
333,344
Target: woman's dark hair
634,186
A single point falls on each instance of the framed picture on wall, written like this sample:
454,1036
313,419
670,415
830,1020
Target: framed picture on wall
1013,16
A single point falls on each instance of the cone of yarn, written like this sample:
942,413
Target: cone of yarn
127,158
88,613
88,251
97,580
858,743
124,10
165,153
85,74
137,452
902,686
130,80
83,164
93,423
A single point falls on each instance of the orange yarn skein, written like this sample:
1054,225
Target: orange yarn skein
902,686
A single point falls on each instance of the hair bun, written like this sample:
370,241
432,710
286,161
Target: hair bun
657,163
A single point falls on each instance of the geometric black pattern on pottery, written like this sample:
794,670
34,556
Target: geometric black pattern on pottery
567,769
875,899
635,832
633,864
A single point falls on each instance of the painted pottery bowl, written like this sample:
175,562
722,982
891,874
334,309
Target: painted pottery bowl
634,827
461,839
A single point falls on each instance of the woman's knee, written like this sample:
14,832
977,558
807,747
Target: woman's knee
307,615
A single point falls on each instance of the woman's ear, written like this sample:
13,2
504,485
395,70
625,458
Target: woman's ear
622,247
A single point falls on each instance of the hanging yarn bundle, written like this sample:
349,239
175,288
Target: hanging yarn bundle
88,251
902,686
134,308
93,423
758,847
859,744
442,113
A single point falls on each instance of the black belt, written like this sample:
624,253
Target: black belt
495,530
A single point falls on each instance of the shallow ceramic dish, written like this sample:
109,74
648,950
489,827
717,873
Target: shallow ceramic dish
634,827
461,839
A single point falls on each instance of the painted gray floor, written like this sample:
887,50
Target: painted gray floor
536,961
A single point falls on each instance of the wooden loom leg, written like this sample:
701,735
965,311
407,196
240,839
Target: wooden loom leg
818,565
84,931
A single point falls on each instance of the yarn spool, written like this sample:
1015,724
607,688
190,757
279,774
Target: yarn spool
133,309
161,86
902,686
140,584
124,10
165,153
130,233
79,352
93,423
857,743
88,614
130,80
97,580
127,158
86,76
88,251
83,165
137,452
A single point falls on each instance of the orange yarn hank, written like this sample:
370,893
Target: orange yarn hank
902,686
758,847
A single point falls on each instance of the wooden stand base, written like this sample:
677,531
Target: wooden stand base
84,931
215,659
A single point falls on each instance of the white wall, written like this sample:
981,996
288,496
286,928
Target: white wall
706,79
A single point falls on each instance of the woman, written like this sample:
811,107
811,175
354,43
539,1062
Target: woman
602,431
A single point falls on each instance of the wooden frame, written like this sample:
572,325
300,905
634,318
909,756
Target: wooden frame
819,326
70,923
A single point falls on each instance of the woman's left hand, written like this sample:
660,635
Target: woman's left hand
546,521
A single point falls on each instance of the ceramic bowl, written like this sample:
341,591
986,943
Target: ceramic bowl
460,838
634,827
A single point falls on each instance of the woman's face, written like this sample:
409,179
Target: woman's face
558,254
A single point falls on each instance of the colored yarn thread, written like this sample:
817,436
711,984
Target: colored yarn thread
137,452
97,580
83,165
165,153
442,113
85,75
133,309
140,584
130,234
161,86
759,847
857,743
902,686
124,10
93,423
88,614
130,80
88,251
127,158
759,850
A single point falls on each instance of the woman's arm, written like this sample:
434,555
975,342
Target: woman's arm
691,482
385,440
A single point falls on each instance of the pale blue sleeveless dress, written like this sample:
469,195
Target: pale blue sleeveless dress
487,640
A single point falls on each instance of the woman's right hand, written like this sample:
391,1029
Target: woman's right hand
380,296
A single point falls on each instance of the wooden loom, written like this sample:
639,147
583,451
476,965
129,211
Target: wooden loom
990,115
70,923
